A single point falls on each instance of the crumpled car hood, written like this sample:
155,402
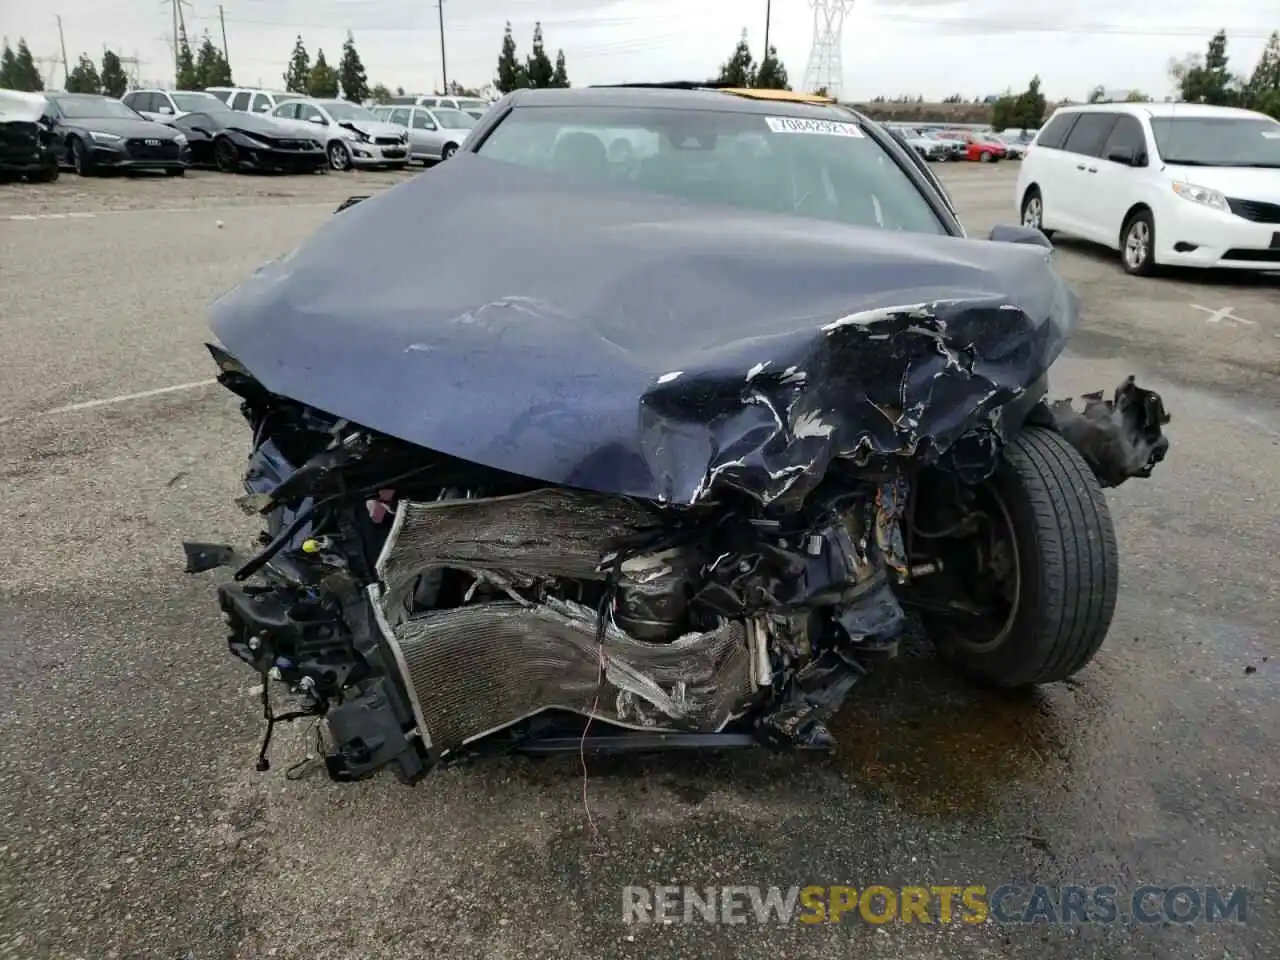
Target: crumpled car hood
612,340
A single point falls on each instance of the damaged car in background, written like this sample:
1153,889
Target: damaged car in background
30,145
679,471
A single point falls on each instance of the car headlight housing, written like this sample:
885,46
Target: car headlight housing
180,139
100,137
1205,196
404,137
253,140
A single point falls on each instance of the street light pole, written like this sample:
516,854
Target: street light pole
444,70
767,10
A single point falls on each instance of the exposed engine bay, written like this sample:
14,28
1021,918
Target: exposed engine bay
423,604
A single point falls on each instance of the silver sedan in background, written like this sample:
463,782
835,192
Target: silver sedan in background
435,133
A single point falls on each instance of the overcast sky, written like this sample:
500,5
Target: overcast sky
890,47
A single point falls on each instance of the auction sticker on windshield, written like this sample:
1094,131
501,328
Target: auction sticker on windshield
827,128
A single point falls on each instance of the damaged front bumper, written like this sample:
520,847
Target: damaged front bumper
428,608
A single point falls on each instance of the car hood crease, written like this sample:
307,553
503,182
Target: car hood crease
614,340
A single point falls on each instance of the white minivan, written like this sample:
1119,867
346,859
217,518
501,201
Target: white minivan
1176,184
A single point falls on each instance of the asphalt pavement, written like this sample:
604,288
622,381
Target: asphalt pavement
133,823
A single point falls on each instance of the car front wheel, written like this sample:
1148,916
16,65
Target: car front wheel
1030,568
1138,244
449,150
81,159
339,156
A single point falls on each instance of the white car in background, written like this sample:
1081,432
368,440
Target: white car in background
165,105
435,133
253,99
475,106
353,137
1165,184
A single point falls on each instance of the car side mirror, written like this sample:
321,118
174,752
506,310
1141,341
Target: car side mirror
1016,233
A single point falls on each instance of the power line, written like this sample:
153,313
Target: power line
1005,26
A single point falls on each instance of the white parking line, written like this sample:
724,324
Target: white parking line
1225,313
111,401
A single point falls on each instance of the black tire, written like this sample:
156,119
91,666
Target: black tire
225,155
176,172
448,151
1068,566
1033,207
986,156
81,159
1140,230
47,175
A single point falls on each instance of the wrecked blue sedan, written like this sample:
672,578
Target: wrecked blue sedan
670,409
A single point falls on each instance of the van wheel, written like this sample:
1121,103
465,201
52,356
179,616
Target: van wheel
1138,245
1033,211
1041,592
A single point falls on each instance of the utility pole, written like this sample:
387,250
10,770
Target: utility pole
444,70
66,71
176,68
768,4
223,21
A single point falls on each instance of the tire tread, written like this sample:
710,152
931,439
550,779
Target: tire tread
1078,555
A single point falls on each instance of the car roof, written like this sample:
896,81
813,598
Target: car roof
1176,109
688,97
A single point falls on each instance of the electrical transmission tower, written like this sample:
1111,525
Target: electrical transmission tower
825,69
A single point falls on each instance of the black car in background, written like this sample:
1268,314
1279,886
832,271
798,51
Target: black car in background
101,134
233,140
29,144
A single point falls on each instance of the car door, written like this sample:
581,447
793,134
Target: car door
1083,214
1120,182
312,115
425,136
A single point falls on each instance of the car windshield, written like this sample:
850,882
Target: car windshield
199,103
455,119
78,107
343,112
1218,141
823,169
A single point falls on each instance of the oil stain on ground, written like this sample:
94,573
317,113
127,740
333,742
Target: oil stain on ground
939,746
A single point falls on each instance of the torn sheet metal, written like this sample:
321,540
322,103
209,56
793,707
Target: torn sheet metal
1119,438
639,344
487,666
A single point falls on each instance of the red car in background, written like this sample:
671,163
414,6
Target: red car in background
983,147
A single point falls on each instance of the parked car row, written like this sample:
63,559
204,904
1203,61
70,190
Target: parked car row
170,130
941,143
